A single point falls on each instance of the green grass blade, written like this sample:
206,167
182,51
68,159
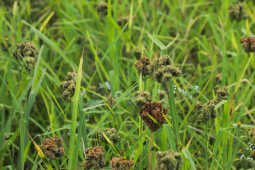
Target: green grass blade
73,154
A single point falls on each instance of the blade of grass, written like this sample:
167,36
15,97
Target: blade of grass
52,44
24,120
75,107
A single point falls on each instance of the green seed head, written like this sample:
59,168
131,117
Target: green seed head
26,54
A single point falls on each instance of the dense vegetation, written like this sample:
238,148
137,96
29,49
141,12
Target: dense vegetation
146,84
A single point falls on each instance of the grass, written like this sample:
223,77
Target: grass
198,35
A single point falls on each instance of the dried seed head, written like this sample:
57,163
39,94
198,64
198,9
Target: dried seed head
123,20
71,76
143,66
153,114
168,160
69,85
248,44
120,163
94,152
222,93
165,73
102,8
175,71
141,97
26,53
164,60
53,148
111,134
94,158
206,111
164,70
237,12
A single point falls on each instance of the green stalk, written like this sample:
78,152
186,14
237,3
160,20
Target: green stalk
72,164
174,115
24,120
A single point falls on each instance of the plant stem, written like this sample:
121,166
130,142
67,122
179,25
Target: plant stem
150,153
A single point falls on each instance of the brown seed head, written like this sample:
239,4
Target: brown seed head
143,66
94,158
120,163
53,147
248,43
153,114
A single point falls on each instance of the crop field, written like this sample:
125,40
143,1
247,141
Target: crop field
127,84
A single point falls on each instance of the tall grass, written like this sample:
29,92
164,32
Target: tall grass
198,35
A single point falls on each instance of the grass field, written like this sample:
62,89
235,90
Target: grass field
71,71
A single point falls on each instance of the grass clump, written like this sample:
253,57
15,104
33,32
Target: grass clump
152,84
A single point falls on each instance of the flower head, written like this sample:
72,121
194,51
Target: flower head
102,8
120,163
164,70
248,44
237,12
206,111
94,158
69,85
222,93
153,114
53,147
143,66
110,133
141,97
26,53
168,160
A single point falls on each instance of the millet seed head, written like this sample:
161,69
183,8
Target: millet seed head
94,158
68,85
143,66
237,12
112,135
26,54
221,93
153,114
53,147
141,97
102,8
168,160
120,163
248,43
164,70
